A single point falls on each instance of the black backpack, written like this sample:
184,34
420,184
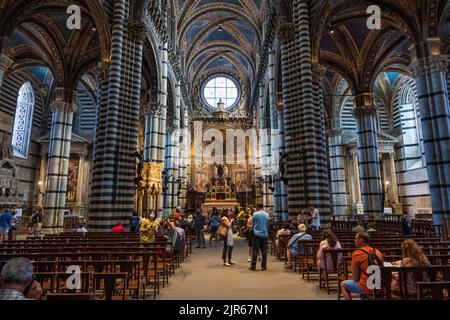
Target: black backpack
372,259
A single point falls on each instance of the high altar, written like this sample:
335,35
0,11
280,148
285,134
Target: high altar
220,190
222,184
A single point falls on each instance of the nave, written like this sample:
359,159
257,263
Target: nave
122,267
202,277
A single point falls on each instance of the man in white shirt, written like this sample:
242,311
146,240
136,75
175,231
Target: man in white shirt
315,218
82,229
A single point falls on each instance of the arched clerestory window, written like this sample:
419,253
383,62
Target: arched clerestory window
411,128
23,121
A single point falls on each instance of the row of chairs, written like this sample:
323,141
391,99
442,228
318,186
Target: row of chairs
112,266
437,250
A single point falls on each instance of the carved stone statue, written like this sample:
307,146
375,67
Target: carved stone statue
6,147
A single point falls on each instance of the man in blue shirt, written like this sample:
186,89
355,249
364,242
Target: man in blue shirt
5,224
260,224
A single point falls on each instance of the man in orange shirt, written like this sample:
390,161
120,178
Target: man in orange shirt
360,263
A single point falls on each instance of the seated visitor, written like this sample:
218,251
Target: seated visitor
17,281
359,227
118,229
294,248
371,228
82,229
412,256
284,231
179,238
329,242
360,264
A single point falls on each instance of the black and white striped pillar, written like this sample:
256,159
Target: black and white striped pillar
290,69
169,164
282,195
369,163
63,108
112,190
184,155
430,74
337,172
274,165
318,178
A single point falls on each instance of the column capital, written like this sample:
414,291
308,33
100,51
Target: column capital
286,31
153,107
5,62
318,72
101,70
363,111
334,132
136,30
363,105
279,111
64,100
428,65
62,106
170,129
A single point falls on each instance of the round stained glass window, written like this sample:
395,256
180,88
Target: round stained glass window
221,88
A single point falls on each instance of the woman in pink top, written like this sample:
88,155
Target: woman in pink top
329,242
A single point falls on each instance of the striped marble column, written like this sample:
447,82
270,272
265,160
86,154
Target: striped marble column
163,92
430,74
290,70
318,178
274,143
172,157
337,172
154,138
177,156
369,164
184,155
101,73
147,130
263,147
304,121
169,164
282,196
104,177
112,190
5,63
63,108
